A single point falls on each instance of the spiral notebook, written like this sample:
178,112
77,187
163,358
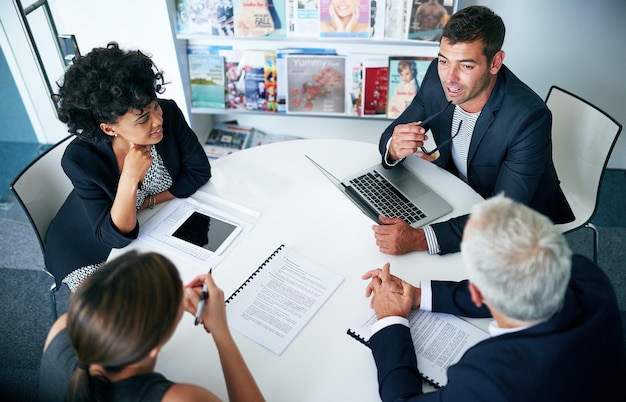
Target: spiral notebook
440,340
280,297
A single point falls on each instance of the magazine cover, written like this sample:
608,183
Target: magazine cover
256,95
377,20
345,19
270,82
303,18
259,18
316,84
394,19
252,67
354,83
193,16
427,18
405,76
222,17
235,86
208,17
375,76
224,139
206,75
281,71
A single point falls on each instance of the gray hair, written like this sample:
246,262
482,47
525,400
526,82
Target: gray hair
517,259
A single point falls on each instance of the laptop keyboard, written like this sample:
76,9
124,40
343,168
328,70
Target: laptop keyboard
386,198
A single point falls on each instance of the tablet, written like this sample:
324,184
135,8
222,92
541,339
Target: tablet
206,231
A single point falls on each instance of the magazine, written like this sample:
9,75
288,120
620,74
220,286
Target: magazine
375,76
259,18
193,16
316,84
252,66
426,18
394,12
206,75
354,83
405,77
271,82
338,22
303,18
225,138
235,85
281,71
378,20
222,18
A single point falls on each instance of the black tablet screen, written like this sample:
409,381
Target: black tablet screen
204,231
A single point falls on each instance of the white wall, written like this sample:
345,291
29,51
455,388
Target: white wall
134,24
575,44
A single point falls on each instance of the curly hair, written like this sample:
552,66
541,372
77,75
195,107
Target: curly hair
102,86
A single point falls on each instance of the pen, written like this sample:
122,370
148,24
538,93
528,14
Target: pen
203,296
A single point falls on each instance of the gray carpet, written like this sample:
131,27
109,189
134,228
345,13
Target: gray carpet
24,251
24,330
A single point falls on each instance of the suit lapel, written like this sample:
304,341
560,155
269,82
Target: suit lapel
482,124
487,116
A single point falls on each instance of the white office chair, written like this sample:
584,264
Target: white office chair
41,188
583,137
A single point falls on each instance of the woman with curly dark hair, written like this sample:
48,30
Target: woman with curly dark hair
132,152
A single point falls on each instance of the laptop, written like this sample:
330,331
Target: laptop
396,192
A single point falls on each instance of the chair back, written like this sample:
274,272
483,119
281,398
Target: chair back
583,137
42,187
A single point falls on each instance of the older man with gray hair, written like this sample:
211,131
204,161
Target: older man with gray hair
556,333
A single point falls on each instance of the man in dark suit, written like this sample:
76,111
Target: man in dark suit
556,333
504,132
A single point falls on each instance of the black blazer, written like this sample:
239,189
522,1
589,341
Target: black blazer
577,355
82,233
510,151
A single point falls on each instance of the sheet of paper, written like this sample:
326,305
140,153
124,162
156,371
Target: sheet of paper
280,297
440,340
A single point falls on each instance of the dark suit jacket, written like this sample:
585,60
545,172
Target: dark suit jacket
510,151
577,355
82,233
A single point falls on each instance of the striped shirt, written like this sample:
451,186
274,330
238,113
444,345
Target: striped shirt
460,150
462,141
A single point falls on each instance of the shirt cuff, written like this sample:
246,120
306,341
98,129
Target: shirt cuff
431,240
387,160
426,300
387,322
426,303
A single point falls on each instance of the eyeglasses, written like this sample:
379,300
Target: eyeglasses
428,119
429,153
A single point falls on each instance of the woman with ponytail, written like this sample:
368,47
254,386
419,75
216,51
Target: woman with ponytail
105,348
